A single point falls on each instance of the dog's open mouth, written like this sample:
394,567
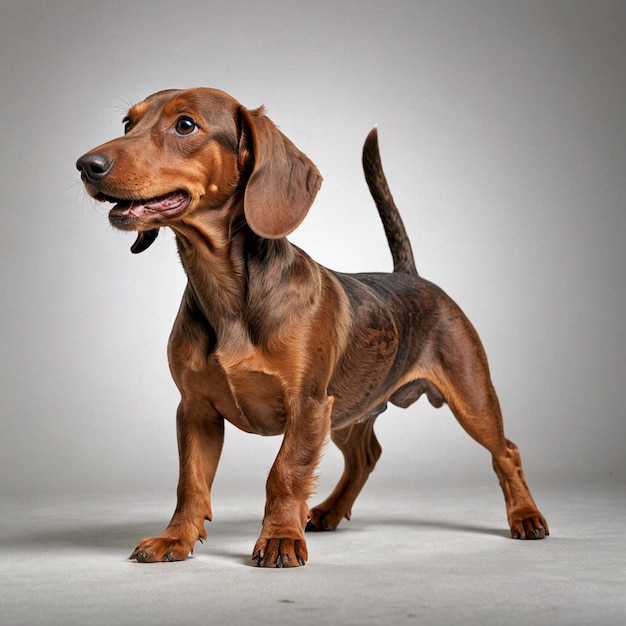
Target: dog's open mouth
126,212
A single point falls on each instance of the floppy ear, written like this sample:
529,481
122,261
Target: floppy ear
283,181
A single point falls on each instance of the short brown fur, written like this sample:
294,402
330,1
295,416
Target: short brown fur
272,341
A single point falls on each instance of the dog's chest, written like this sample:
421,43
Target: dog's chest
258,395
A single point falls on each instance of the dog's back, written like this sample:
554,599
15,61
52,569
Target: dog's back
384,308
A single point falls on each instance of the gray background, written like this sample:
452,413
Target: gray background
503,135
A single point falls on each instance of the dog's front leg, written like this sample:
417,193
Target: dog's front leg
289,485
200,440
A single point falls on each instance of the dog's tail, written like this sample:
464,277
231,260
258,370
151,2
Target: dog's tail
397,238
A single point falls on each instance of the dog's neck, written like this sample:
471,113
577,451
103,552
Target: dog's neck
227,264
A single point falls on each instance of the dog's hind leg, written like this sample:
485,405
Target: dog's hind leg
483,422
462,377
361,451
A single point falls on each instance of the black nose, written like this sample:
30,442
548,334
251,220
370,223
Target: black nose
94,166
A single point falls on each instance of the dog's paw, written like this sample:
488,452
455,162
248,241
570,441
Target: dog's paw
280,553
161,549
321,520
530,526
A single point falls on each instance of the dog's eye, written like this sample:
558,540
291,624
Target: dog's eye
127,124
185,126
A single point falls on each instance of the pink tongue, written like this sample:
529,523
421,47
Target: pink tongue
164,204
136,209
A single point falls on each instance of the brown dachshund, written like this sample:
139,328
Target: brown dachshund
273,342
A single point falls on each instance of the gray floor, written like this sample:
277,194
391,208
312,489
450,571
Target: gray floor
440,556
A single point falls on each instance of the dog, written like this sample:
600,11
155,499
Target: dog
270,340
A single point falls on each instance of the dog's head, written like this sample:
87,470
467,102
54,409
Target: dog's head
195,150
